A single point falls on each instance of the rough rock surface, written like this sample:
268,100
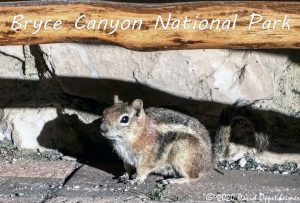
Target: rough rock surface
52,95
211,75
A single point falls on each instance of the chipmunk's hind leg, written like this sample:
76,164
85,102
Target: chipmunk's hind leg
186,159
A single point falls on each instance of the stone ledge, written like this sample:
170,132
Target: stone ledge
95,185
36,169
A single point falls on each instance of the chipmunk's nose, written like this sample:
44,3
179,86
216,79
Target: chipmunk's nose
104,127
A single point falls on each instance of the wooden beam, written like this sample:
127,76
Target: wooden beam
147,37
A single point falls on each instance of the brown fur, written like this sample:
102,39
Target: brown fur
145,138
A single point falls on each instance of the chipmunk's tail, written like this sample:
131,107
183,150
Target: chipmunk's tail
228,117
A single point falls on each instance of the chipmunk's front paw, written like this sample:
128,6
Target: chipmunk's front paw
123,178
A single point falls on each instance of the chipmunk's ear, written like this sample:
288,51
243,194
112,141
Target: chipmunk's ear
117,100
137,105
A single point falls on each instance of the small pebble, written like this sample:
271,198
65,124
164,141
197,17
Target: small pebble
76,187
19,194
68,158
242,162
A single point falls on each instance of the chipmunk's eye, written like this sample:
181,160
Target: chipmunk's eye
125,119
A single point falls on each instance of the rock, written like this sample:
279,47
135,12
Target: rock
259,168
31,69
218,75
19,194
242,162
76,186
82,116
11,62
5,129
13,51
68,158
27,125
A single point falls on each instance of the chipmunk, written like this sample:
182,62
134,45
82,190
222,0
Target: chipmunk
157,140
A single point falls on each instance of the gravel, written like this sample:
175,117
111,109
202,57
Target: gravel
10,153
248,163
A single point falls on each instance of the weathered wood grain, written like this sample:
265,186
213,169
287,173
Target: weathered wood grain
147,38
